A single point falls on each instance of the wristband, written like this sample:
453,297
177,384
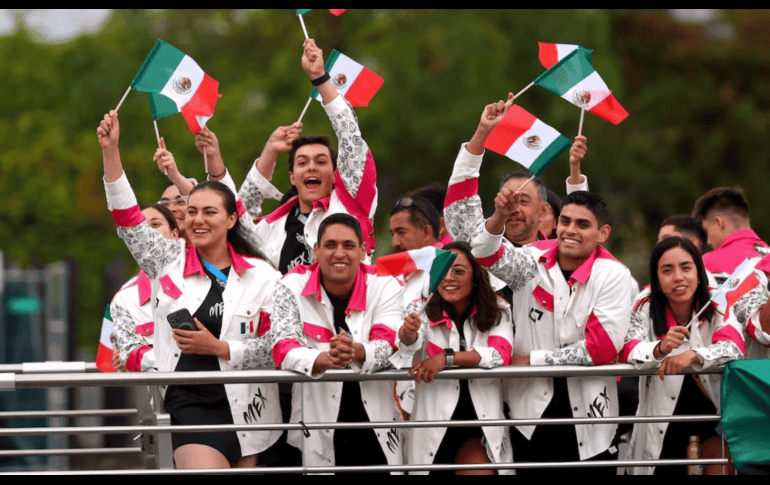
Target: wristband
450,356
217,176
320,80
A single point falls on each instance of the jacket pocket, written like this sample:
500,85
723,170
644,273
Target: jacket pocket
168,287
247,318
543,298
317,333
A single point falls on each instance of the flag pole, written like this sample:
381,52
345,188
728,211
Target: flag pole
580,127
123,98
695,318
304,29
525,183
205,162
157,137
528,86
310,100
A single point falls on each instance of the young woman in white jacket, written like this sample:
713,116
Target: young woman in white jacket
658,336
463,324
220,279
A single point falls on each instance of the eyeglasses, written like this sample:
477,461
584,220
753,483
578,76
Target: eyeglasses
178,201
457,271
405,202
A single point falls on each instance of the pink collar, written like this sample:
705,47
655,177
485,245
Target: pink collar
357,297
582,272
192,264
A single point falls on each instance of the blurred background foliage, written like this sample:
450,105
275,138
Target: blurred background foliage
697,92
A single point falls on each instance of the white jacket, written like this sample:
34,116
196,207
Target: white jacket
178,281
303,325
437,400
131,313
716,343
746,312
355,189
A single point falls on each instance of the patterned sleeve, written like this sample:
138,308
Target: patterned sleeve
463,214
130,344
385,324
514,266
290,346
255,190
745,310
355,180
150,249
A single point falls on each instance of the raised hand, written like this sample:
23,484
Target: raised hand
206,141
312,59
410,329
166,162
108,131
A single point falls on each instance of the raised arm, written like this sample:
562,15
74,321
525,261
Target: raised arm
576,180
150,249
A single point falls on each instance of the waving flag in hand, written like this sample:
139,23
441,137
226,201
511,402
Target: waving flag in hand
523,138
353,81
575,79
175,83
433,260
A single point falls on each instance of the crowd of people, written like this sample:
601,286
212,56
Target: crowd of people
531,285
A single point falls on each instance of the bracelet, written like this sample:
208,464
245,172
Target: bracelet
217,176
320,80
659,349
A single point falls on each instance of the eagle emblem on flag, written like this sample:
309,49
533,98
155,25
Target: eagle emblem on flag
340,80
182,85
533,142
581,98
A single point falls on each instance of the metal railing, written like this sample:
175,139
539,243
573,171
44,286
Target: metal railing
155,428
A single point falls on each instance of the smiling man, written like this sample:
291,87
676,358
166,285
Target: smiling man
571,307
326,182
336,314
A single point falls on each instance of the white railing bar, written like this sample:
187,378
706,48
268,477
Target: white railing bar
73,451
277,376
213,428
67,414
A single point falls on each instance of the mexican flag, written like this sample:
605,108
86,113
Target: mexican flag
353,81
433,260
175,83
104,354
575,79
550,54
523,138
738,284
334,11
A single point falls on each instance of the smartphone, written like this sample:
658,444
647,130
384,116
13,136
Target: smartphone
182,320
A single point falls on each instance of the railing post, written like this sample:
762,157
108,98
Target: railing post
163,449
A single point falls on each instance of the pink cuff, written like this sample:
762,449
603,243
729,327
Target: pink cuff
134,361
503,346
127,217
281,349
383,332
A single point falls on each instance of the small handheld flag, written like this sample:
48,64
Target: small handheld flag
575,80
433,260
175,83
353,81
104,354
525,139
738,284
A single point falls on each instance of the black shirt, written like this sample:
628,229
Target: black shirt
294,250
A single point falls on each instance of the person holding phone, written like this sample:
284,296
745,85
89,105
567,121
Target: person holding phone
226,286
662,336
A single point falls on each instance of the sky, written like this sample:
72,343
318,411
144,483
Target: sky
54,25
58,25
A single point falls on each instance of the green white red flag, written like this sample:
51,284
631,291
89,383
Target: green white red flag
738,284
575,80
104,353
525,139
433,260
175,83
334,11
352,80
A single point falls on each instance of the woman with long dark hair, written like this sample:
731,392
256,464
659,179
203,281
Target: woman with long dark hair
662,335
224,287
464,324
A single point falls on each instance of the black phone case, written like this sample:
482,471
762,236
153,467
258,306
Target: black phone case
182,320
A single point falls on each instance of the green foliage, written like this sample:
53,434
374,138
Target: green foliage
697,102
